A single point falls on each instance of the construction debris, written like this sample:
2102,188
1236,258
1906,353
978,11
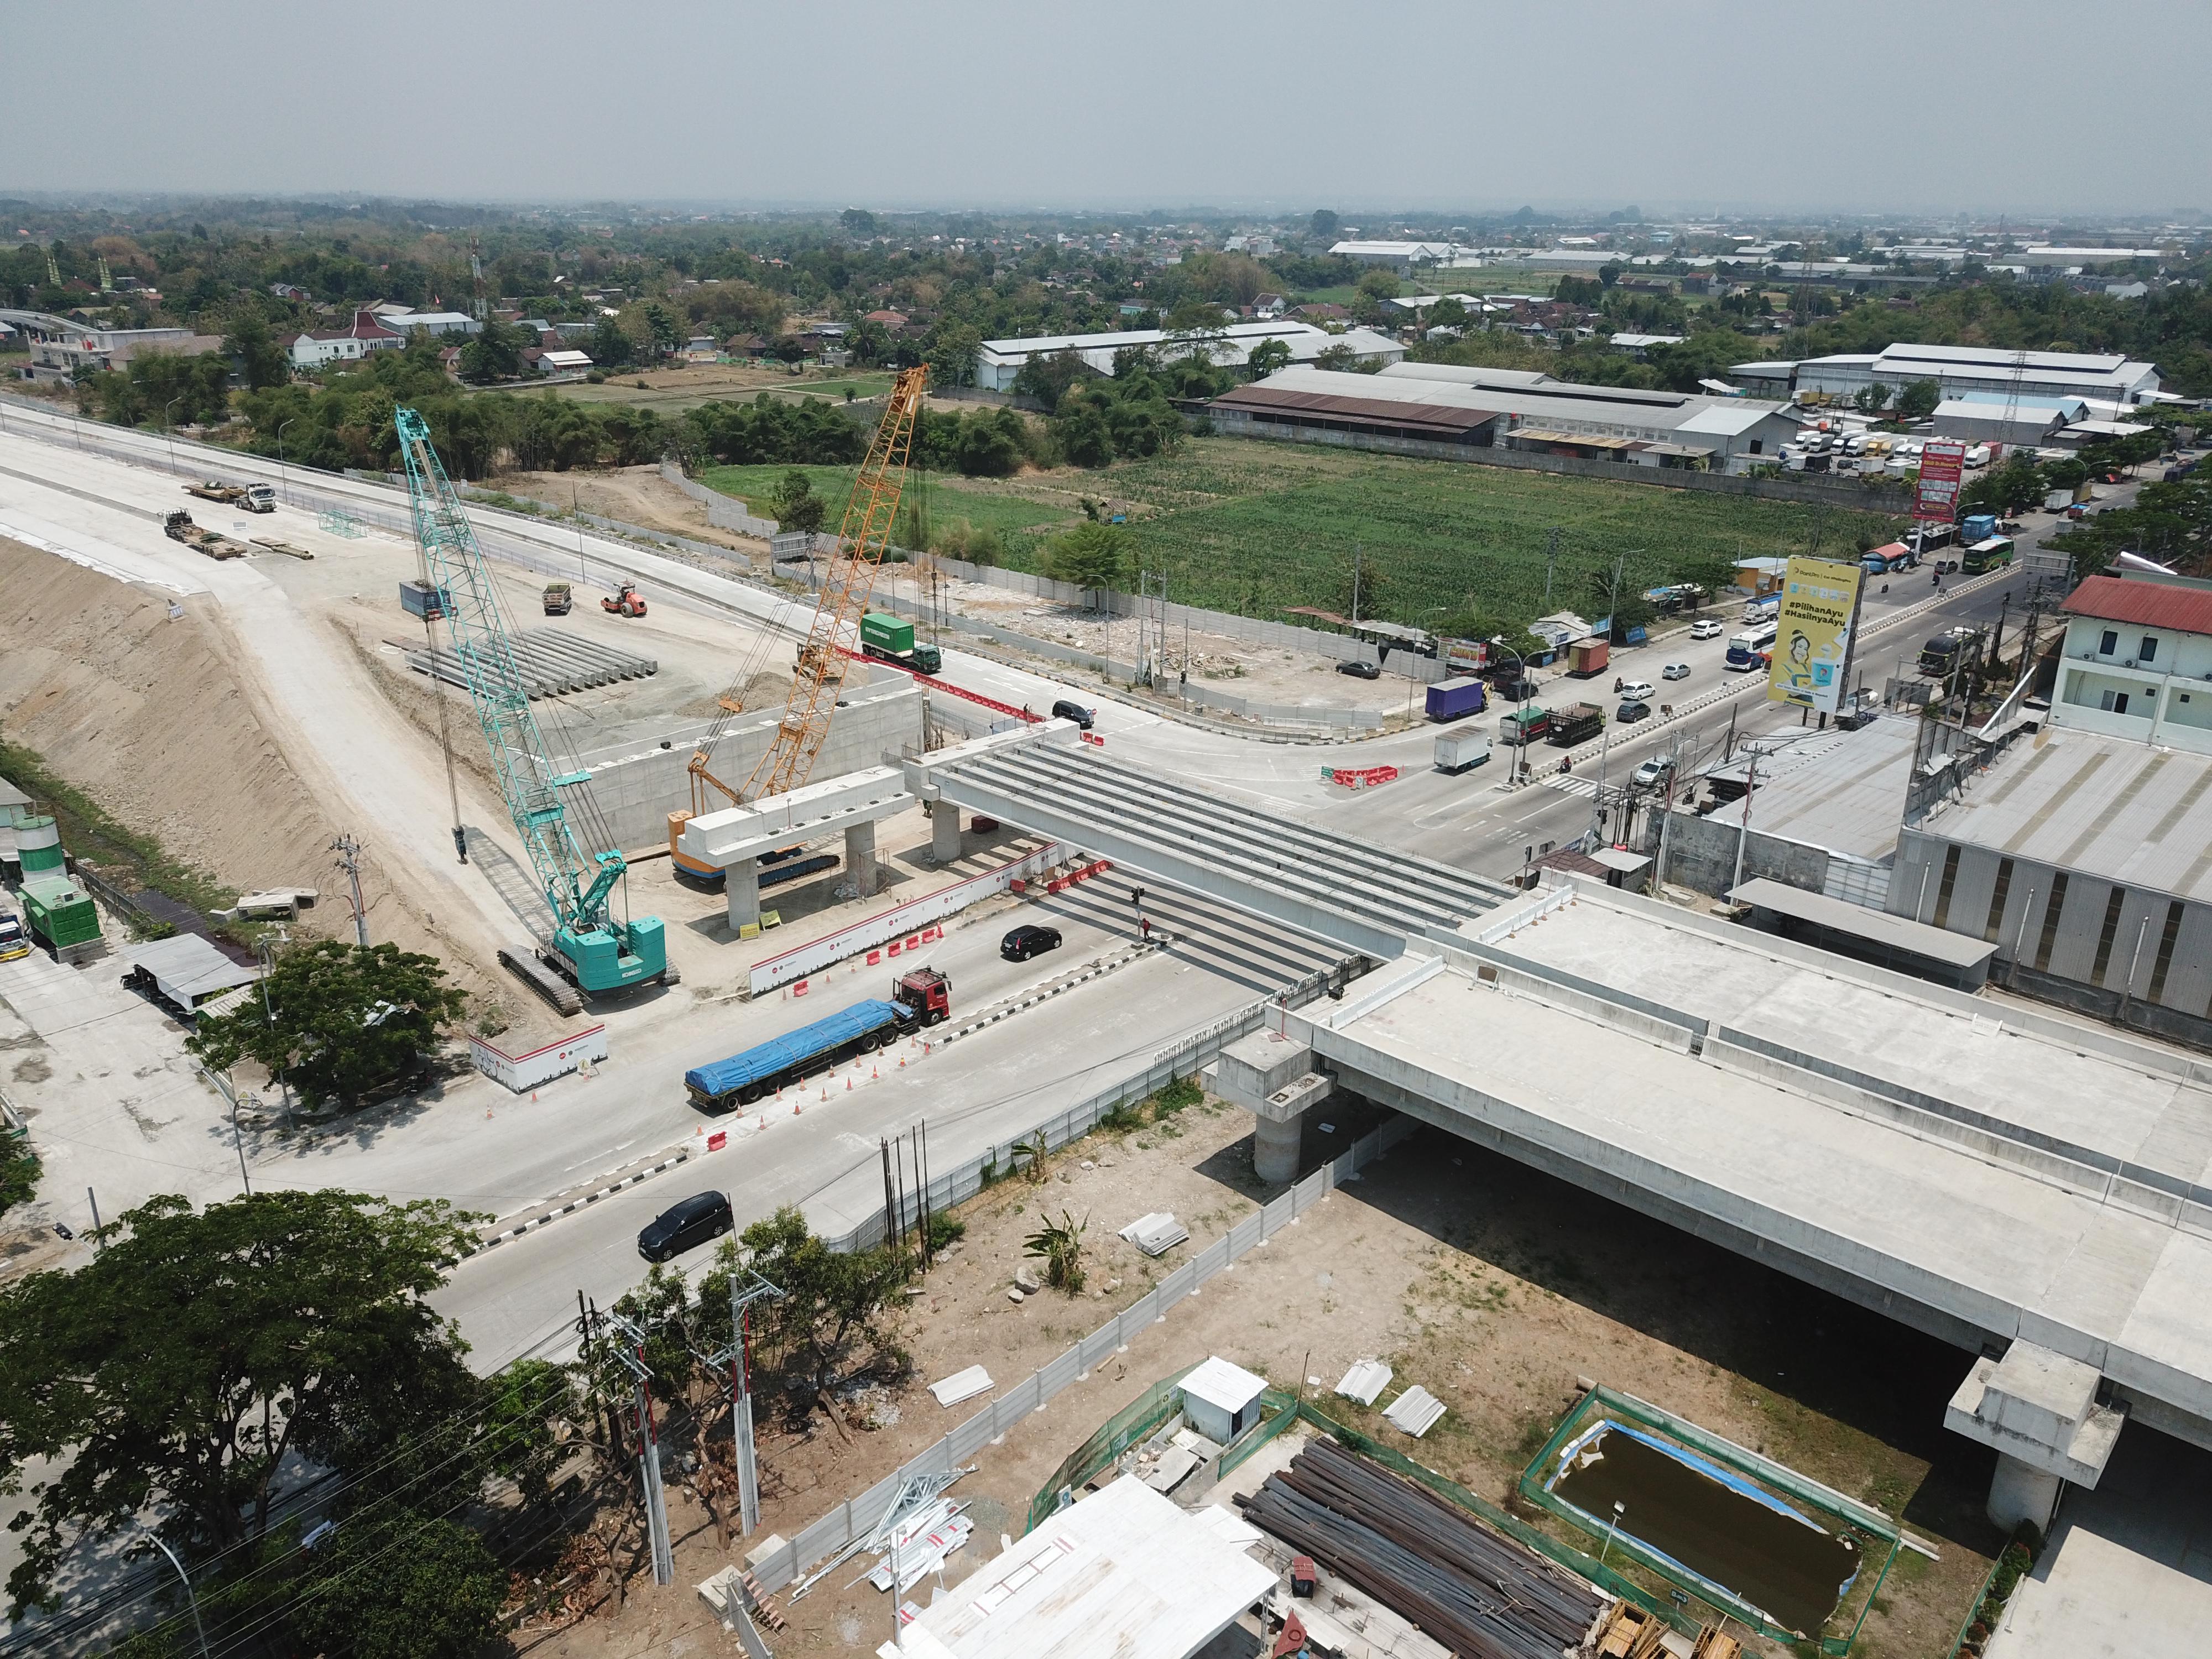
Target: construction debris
285,548
1366,1379
1481,1594
1157,1233
1415,1411
962,1385
550,661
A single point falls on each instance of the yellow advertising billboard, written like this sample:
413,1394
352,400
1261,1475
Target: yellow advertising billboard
1813,634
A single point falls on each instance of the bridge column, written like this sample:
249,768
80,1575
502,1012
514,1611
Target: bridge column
2040,1410
860,856
743,893
944,832
1273,1078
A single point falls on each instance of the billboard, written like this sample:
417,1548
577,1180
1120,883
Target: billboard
1813,634
1942,464
1466,656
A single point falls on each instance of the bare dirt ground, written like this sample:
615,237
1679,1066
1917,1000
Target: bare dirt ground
1493,1286
149,717
633,495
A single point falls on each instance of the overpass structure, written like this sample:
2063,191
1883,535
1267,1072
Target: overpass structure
1365,898
2034,1188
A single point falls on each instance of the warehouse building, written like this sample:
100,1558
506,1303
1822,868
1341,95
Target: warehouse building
2025,425
1512,409
1000,362
1960,370
2084,854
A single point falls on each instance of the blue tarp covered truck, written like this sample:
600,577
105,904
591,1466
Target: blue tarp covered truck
922,997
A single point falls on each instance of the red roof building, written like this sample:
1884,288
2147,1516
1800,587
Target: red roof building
2144,604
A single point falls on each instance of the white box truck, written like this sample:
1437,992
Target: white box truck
1458,749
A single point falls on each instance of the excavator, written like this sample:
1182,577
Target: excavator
831,638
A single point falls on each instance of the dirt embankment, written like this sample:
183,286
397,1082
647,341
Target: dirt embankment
633,494
145,714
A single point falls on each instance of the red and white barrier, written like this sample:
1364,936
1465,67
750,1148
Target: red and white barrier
1359,777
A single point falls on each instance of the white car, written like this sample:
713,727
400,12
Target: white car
1675,671
1637,691
1707,629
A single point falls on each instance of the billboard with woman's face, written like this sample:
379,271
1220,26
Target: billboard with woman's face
1813,634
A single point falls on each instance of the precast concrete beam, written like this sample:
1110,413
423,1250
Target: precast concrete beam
807,813
921,770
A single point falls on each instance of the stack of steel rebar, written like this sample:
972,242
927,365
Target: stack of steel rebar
1479,1594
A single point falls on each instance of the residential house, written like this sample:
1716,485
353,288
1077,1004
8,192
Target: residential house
1266,307
700,348
893,320
564,362
365,334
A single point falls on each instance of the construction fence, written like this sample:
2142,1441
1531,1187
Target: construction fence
856,1517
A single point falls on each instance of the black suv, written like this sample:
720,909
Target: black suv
1065,710
686,1226
1028,940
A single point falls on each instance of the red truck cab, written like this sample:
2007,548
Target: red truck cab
925,991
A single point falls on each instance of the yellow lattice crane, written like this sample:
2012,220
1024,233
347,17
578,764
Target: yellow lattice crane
862,536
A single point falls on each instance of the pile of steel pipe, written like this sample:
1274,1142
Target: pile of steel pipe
549,660
1481,1594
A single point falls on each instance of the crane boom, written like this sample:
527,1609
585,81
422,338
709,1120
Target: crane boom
864,533
589,945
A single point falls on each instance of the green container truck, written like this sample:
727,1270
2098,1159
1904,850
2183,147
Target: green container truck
891,639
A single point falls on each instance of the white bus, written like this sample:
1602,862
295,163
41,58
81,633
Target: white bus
1743,651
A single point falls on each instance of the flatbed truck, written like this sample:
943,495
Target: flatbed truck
920,997
891,639
253,498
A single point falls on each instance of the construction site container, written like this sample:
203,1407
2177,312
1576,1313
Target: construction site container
1587,657
1456,699
1457,750
59,912
884,632
420,598
39,847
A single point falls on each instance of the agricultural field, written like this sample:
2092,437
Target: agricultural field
1257,527
673,391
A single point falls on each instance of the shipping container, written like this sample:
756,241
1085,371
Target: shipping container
1455,699
1589,657
419,598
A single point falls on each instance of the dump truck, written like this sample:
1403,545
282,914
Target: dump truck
1457,750
559,601
891,639
920,997
1578,722
1455,699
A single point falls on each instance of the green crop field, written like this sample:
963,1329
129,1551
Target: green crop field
987,506
1255,527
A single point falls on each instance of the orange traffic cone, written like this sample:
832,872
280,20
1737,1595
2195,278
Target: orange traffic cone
873,1074
848,1085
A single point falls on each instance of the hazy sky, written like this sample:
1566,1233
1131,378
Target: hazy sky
2028,106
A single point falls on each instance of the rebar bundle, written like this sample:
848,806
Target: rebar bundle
1481,1594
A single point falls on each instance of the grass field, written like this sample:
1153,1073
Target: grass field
986,505
1256,527
672,392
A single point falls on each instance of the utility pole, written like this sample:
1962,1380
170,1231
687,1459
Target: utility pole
349,852
739,1357
1667,815
1355,584
1743,835
1551,558
632,1358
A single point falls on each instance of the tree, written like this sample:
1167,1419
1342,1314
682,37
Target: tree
832,1300
1626,604
260,359
1339,356
660,329
1871,397
1093,555
1267,356
1047,375
340,1019
858,222
1370,304
1918,399
611,347
870,342
1060,1244
392,1584
1447,312
181,1368
1324,225
951,352
797,506
493,353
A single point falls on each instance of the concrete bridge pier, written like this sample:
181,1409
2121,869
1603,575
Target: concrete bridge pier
1273,1077
2040,1410
860,856
944,831
743,893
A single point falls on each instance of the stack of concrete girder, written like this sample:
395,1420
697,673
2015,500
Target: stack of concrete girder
551,662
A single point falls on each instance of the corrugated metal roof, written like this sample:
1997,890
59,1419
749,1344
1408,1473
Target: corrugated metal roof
2150,604
1444,418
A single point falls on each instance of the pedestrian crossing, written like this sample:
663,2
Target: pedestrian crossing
1571,783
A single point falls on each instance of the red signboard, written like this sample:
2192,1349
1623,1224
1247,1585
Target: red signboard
1942,464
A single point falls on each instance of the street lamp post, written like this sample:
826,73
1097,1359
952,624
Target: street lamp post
1619,1510
189,1595
1520,679
283,479
169,427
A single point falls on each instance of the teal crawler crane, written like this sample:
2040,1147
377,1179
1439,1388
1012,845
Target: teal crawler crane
589,947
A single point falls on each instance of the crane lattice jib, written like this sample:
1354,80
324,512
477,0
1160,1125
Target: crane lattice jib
575,884
861,538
